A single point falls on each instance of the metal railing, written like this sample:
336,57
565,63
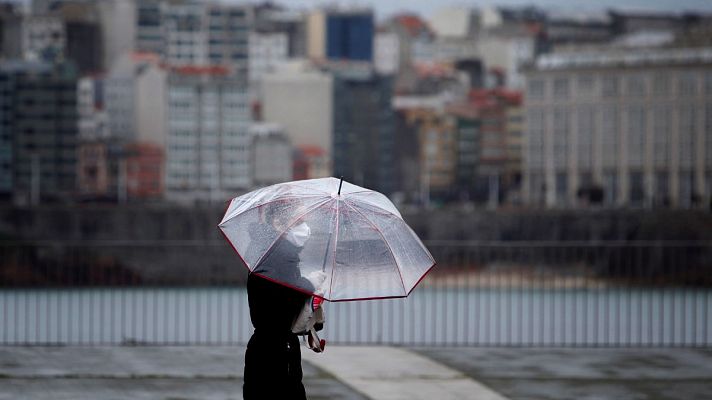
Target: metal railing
480,294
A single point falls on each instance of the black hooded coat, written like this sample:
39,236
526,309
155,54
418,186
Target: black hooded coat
273,368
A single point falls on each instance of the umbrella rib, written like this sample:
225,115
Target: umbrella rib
383,210
269,249
336,243
390,249
270,202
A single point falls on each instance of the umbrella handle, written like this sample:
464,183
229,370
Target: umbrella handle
314,343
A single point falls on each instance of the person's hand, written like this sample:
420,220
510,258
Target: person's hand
317,279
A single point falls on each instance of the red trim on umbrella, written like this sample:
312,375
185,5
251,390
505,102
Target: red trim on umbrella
234,249
422,277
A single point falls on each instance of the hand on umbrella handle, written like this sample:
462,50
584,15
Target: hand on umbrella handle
314,343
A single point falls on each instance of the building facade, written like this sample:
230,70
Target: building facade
364,127
340,34
299,97
267,50
38,134
135,99
195,33
636,124
208,147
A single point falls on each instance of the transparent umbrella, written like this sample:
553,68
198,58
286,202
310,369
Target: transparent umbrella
328,238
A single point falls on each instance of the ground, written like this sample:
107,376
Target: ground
212,373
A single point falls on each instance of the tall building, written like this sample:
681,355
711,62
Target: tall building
208,147
340,34
299,97
195,33
85,43
637,124
467,150
499,163
38,133
149,28
364,127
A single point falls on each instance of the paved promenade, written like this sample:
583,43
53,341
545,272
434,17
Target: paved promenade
212,373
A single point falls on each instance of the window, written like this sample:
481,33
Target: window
536,89
585,85
687,84
610,133
562,187
610,187
637,191
636,86
609,87
662,187
686,139
585,122
561,133
636,135
661,135
561,88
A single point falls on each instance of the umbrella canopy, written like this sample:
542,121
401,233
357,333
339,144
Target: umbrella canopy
338,243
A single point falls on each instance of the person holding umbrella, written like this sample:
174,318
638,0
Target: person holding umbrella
311,238
272,360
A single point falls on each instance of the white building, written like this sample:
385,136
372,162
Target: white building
386,52
455,22
299,97
135,99
208,147
637,123
271,154
267,50
508,52
195,33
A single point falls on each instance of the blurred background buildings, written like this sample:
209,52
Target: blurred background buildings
197,101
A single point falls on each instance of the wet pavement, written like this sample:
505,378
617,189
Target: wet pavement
138,373
212,373
585,374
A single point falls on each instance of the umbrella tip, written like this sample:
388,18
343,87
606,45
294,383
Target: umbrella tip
341,181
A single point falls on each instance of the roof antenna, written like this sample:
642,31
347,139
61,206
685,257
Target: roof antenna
340,183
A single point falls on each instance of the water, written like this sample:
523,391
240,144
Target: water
510,316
